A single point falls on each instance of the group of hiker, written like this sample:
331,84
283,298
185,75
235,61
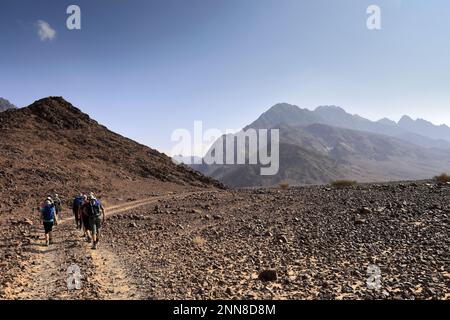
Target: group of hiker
88,212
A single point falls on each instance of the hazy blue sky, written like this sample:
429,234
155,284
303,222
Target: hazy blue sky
145,68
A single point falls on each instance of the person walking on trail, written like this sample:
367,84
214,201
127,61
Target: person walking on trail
76,207
58,207
85,218
48,215
95,212
50,200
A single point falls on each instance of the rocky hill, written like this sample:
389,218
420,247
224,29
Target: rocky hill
51,146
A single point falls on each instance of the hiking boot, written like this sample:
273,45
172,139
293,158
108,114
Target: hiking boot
94,246
47,243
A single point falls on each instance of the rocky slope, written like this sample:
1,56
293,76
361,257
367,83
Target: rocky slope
52,146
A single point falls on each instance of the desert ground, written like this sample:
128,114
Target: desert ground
297,243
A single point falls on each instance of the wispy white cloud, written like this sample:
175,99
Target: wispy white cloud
45,31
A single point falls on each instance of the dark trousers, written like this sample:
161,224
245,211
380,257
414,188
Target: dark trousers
77,218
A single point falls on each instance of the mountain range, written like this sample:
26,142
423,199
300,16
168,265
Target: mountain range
329,143
418,131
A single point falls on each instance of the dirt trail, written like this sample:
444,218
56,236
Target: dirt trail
110,275
37,281
44,272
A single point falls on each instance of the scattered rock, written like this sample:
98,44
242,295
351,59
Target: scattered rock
28,221
268,275
322,252
364,210
282,239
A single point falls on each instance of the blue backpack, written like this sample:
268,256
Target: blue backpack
48,213
78,201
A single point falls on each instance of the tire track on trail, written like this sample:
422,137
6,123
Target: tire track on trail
44,275
113,280
37,280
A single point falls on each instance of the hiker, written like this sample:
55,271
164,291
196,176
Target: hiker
48,215
57,203
95,210
85,218
49,199
76,207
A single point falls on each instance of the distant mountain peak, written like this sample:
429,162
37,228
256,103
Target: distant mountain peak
425,128
406,119
283,107
423,121
285,113
5,104
330,108
387,122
